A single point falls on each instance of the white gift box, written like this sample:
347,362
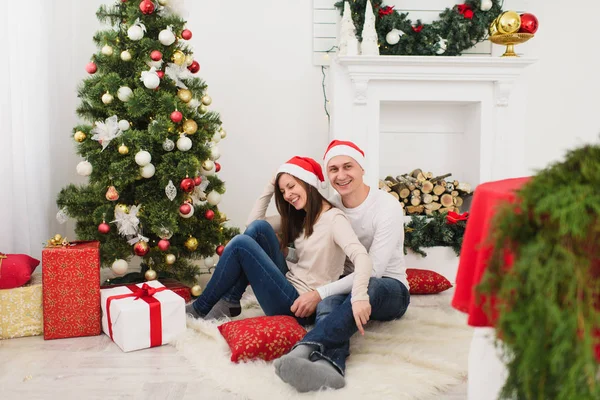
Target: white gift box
130,325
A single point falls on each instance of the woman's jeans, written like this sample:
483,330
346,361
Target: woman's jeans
335,325
251,258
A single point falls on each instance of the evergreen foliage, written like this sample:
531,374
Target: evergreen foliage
549,321
432,231
460,32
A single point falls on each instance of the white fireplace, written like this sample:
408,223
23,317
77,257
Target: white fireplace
462,115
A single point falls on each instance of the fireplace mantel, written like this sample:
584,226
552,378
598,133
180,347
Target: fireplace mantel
358,86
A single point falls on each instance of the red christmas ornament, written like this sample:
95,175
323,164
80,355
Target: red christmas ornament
176,116
387,10
465,10
217,167
91,68
103,228
163,245
146,7
529,23
194,67
160,74
209,214
155,55
186,34
185,208
141,248
197,180
187,185
417,29
220,250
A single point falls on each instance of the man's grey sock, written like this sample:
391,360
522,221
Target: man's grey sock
300,351
308,376
224,308
190,310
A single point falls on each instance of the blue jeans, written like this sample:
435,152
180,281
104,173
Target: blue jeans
335,323
252,258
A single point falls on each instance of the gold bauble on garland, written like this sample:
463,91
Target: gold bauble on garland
178,57
207,165
206,100
196,290
123,149
150,275
223,133
79,136
191,244
184,95
190,126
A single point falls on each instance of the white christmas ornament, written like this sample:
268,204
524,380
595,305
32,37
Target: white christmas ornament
193,104
150,78
142,158
209,262
184,143
119,267
177,73
171,191
394,36
107,50
215,154
163,2
84,168
124,93
216,137
147,171
61,215
348,43
127,223
213,198
107,98
189,59
166,36
486,5
168,145
106,131
125,55
136,31
369,46
124,125
443,43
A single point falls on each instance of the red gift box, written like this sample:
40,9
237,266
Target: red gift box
170,283
71,290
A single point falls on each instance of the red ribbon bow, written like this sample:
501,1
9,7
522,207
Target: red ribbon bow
146,293
417,29
465,10
453,218
387,10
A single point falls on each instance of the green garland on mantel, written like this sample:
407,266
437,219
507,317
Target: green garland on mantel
462,26
433,231
549,300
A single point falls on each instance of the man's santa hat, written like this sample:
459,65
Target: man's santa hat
344,148
306,169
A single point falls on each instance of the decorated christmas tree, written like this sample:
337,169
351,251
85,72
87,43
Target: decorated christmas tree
149,147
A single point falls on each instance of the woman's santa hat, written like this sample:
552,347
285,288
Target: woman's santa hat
344,148
306,169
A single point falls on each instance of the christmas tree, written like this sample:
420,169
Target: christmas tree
149,147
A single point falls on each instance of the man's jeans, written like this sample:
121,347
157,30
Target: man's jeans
252,258
335,323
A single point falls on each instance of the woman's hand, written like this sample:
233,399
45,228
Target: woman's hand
362,311
306,304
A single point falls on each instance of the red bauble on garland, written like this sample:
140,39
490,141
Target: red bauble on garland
185,208
161,74
417,29
103,228
155,55
186,34
194,67
91,68
176,116
163,245
141,248
146,7
187,185
220,250
217,167
529,23
209,214
197,180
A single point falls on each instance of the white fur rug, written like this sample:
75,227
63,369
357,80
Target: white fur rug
418,357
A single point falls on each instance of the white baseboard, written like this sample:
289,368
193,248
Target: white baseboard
442,260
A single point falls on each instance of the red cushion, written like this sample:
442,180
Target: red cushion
267,338
16,270
422,281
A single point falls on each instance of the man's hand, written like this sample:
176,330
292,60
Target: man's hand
306,304
362,311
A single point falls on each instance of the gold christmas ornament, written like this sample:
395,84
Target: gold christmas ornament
150,275
170,259
123,149
79,136
493,29
206,100
203,109
223,133
184,95
190,126
191,244
196,290
122,207
178,57
112,194
207,165
509,22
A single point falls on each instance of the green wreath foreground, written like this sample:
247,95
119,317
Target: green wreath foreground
458,29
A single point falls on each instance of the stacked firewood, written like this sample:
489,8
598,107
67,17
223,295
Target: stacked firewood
420,193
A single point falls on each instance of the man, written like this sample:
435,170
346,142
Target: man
319,359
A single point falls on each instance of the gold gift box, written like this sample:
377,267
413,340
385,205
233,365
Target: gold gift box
21,310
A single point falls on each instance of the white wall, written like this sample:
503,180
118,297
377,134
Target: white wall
257,59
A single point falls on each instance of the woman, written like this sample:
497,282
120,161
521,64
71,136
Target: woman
322,238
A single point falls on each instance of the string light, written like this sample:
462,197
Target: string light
326,102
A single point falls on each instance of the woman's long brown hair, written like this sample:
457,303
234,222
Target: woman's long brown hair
294,221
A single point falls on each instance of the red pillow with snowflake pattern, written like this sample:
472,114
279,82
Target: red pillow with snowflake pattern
266,338
422,281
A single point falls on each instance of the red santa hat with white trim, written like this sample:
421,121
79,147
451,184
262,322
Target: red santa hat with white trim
306,169
344,148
